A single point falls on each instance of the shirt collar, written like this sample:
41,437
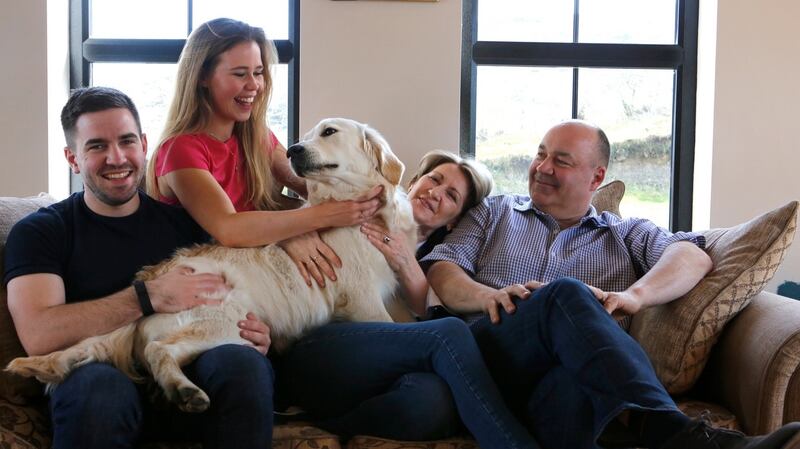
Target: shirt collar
592,218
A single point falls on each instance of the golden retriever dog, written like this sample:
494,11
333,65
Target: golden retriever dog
340,159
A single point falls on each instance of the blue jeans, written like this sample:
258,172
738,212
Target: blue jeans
398,381
99,407
565,365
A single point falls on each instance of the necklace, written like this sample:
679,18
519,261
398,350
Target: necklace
210,133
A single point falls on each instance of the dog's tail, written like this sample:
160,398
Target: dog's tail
115,348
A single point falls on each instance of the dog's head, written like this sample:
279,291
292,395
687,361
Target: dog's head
341,158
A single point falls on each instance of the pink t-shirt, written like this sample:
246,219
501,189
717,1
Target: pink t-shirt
224,160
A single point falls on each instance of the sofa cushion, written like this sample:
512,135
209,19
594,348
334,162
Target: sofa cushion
608,197
678,336
11,386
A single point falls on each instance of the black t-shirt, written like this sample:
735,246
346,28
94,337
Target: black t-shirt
96,255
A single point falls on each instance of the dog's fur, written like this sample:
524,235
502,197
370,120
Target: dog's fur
340,159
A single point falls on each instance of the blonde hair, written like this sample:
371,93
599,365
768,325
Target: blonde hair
478,176
191,107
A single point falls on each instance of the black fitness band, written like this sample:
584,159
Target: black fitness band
144,298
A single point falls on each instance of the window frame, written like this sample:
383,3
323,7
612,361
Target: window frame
83,51
681,57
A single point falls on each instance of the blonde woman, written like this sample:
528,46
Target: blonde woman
218,159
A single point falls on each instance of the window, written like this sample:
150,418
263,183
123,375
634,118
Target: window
134,47
628,66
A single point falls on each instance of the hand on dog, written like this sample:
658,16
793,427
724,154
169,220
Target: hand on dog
396,250
348,213
180,289
313,257
256,332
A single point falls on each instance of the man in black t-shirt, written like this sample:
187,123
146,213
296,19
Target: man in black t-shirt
69,269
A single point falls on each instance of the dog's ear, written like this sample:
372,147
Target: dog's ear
388,164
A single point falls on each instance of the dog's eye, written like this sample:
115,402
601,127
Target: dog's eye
328,132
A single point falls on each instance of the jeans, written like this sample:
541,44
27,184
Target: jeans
99,407
398,381
564,364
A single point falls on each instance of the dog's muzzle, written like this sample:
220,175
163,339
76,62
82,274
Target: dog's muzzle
299,158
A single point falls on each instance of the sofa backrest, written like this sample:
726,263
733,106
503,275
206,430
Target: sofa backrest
14,387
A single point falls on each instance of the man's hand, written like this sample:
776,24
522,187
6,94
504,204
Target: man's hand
256,332
179,289
619,304
494,299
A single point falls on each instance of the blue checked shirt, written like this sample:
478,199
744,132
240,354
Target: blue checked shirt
505,240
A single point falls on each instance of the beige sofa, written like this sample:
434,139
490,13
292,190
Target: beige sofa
742,367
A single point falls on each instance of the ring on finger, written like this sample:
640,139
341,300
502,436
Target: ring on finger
386,239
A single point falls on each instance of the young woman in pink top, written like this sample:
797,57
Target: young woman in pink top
218,159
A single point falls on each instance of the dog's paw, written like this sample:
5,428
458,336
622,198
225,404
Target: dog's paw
192,399
34,367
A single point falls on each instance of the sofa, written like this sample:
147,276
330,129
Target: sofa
727,350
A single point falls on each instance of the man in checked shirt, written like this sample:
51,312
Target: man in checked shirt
542,275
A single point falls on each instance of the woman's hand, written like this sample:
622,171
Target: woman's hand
394,246
348,213
256,332
398,252
313,257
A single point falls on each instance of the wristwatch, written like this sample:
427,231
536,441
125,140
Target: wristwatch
438,311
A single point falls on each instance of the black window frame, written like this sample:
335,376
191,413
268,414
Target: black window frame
85,51
681,57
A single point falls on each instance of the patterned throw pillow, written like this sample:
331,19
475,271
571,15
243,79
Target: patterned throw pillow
678,336
607,197
11,386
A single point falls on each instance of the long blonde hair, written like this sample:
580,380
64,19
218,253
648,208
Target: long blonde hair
191,108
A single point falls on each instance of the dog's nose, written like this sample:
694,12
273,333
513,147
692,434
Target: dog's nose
295,150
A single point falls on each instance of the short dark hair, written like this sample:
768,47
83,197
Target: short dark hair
93,99
603,147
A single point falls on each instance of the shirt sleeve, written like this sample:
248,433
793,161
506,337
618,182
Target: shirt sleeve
465,243
273,141
646,242
36,244
182,152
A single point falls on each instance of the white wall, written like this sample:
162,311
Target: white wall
756,156
23,98
394,65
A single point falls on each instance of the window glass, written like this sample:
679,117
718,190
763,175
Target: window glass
525,20
271,15
627,21
634,108
150,86
142,19
515,106
278,114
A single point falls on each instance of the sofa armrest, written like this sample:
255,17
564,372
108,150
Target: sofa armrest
755,361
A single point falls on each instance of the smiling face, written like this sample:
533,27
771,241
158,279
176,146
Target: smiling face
566,171
109,153
234,84
438,197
